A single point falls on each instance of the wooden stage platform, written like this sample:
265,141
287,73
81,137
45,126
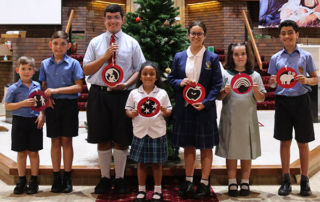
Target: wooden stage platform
89,175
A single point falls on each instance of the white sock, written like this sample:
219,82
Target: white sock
141,188
189,178
157,189
245,186
205,182
120,159
232,181
105,158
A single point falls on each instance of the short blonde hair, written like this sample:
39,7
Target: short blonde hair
24,60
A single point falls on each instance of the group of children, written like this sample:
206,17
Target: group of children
62,76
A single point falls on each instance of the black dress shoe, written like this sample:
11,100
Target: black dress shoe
57,183
305,188
231,192
285,188
202,191
20,187
186,189
67,184
141,199
33,187
121,186
153,199
244,192
103,186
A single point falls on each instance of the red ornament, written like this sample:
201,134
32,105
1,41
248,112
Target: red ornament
138,19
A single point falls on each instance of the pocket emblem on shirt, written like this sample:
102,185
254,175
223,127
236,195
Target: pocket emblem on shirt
208,64
301,70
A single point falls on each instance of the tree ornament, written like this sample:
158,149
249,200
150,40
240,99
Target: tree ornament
166,23
138,19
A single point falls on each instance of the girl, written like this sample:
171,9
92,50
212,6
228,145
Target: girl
239,138
149,144
195,125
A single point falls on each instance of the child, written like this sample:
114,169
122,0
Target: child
195,126
239,138
292,105
149,144
61,78
27,124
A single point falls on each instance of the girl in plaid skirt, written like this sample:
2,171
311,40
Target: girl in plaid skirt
147,106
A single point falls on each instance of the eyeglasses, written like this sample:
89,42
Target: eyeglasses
117,17
198,34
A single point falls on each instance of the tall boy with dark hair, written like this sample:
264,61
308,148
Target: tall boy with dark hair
108,125
292,105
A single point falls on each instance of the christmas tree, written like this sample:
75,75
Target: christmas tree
154,26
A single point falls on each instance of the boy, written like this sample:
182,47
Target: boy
107,122
292,106
26,134
61,78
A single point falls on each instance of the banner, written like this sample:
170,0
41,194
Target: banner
306,13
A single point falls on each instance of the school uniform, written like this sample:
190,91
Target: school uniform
239,136
149,144
292,105
63,119
194,128
24,134
105,109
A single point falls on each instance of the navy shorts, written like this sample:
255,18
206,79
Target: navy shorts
106,116
25,135
63,120
293,112
148,150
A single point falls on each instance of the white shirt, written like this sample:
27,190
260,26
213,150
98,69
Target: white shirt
194,63
129,55
154,126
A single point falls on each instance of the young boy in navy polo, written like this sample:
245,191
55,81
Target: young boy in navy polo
61,78
26,133
292,106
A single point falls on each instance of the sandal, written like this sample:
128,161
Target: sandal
141,199
233,193
156,199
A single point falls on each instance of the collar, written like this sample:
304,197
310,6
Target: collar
64,59
297,49
20,83
200,53
141,90
117,35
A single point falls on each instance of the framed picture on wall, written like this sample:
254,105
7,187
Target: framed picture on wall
306,13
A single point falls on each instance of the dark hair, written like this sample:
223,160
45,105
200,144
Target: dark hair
197,23
113,8
24,60
155,66
60,35
289,23
230,62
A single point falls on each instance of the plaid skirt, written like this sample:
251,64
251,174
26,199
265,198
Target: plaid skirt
192,131
148,150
